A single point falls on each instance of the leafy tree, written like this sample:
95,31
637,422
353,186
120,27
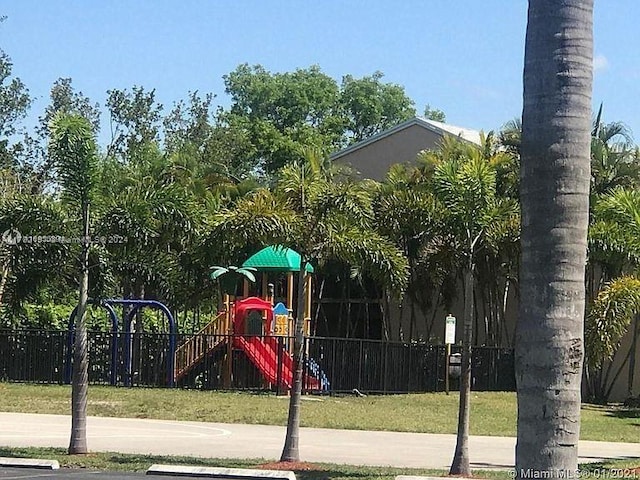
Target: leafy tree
221,148
74,151
371,106
14,98
14,104
65,99
36,165
135,122
434,114
555,178
283,112
188,122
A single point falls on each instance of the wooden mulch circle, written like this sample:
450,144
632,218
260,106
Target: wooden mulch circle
295,466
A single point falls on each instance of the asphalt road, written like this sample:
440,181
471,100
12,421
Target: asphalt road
31,473
160,437
28,473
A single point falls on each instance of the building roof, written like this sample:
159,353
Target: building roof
467,134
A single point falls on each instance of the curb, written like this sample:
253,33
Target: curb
218,472
29,463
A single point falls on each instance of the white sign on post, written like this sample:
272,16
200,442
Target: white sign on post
450,330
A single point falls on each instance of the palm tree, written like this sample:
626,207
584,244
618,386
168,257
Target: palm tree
554,194
28,267
334,220
614,158
464,181
160,214
408,214
614,247
608,321
73,149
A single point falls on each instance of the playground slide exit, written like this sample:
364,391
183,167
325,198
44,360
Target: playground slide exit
264,355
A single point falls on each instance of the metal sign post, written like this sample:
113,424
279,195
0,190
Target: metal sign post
449,339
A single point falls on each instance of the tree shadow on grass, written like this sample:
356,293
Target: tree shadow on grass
624,412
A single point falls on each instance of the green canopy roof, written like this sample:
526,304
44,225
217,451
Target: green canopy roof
276,259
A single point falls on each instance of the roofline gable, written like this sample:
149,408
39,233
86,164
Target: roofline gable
430,125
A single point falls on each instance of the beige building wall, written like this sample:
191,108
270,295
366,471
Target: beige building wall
373,160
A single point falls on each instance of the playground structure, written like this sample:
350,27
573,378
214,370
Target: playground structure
249,323
253,325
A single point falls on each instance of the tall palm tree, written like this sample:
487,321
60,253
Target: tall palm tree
73,149
335,220
614,158
608,321
464,181
554,192
159,213
614,247
30,266
408,214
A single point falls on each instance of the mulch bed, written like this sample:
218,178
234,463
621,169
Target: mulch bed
295,466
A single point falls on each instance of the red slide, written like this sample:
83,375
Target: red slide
266,360
308,382
264,355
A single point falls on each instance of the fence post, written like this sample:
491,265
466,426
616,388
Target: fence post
384,367
360,367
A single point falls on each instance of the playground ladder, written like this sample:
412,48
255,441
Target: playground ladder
199,345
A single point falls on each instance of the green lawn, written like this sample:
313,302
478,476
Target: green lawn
139,463
492,413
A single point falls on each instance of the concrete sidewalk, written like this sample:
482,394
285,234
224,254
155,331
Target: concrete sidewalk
161,437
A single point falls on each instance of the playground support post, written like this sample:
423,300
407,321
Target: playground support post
290,290
228,366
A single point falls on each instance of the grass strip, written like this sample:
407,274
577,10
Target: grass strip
492,413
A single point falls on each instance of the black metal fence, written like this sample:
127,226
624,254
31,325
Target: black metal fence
335,364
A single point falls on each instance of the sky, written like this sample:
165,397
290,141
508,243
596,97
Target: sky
463,57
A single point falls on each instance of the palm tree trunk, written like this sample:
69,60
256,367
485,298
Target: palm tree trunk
461,464
555,176
291,451
4,276
632,357
80,379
